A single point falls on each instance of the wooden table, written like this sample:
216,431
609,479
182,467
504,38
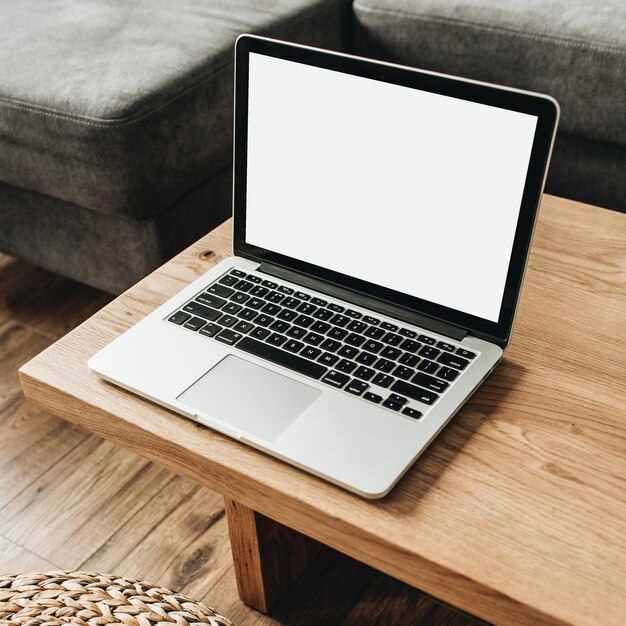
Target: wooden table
517,512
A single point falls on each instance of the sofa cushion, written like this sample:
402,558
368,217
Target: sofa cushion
124,106
574,50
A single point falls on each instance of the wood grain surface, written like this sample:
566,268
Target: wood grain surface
516,513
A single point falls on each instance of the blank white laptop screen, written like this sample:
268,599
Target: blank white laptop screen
406,189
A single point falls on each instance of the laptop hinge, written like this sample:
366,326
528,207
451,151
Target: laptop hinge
368,302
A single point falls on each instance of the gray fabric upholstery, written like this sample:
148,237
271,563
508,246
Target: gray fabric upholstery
122,107
574,50
110,252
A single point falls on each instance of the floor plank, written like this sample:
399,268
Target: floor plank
70,500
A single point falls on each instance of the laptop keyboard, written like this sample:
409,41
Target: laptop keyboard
400,369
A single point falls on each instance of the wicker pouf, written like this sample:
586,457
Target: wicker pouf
88,598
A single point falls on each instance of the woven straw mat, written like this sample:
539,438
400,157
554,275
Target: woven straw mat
89,599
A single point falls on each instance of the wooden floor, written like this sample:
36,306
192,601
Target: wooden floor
69,500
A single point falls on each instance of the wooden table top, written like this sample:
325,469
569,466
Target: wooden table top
516,513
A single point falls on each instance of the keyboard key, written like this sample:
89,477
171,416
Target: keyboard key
337,333
447,373
458,362
356,387
229,280
310,352
287,314
244,285
269,284
228,336
465,353
227,320
410,346
293,346
336,379
247,314
280,327
335,307
345,366
291,303
301,295
340,320
281,357
365,373
430,367
260,333
179,317
354,340
271,309
276,339
426,339
238,273
353,313
407,410
254,279
263,320
318,302
394,397
384,365
389,404
331,345
388,326
231,308
374,333
303,320
320,327
239,297
274,297
348,351
356,326
195,323
211,300
390,353
328,359
297,332
372,397
382,380
392,339
210,329
429,352
429,382
287,290
259,291
405,332
410,360
366,358
372,346
371,320
202,311
448,347
414,392
221,290
255,303
314,338
307,308
323,314
404,372
243,327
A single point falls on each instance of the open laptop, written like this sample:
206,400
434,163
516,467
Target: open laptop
382,222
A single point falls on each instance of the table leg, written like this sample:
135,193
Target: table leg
268,556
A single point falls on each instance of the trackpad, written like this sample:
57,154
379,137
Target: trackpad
249,397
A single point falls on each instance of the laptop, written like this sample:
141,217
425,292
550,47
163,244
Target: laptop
383,218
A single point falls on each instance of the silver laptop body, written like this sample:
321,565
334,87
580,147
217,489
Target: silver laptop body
382,222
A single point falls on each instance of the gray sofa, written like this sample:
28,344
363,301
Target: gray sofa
115,118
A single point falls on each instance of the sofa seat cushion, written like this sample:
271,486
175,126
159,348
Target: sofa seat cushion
122,107
574,50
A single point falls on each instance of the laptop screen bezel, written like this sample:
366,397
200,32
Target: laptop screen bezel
543,107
